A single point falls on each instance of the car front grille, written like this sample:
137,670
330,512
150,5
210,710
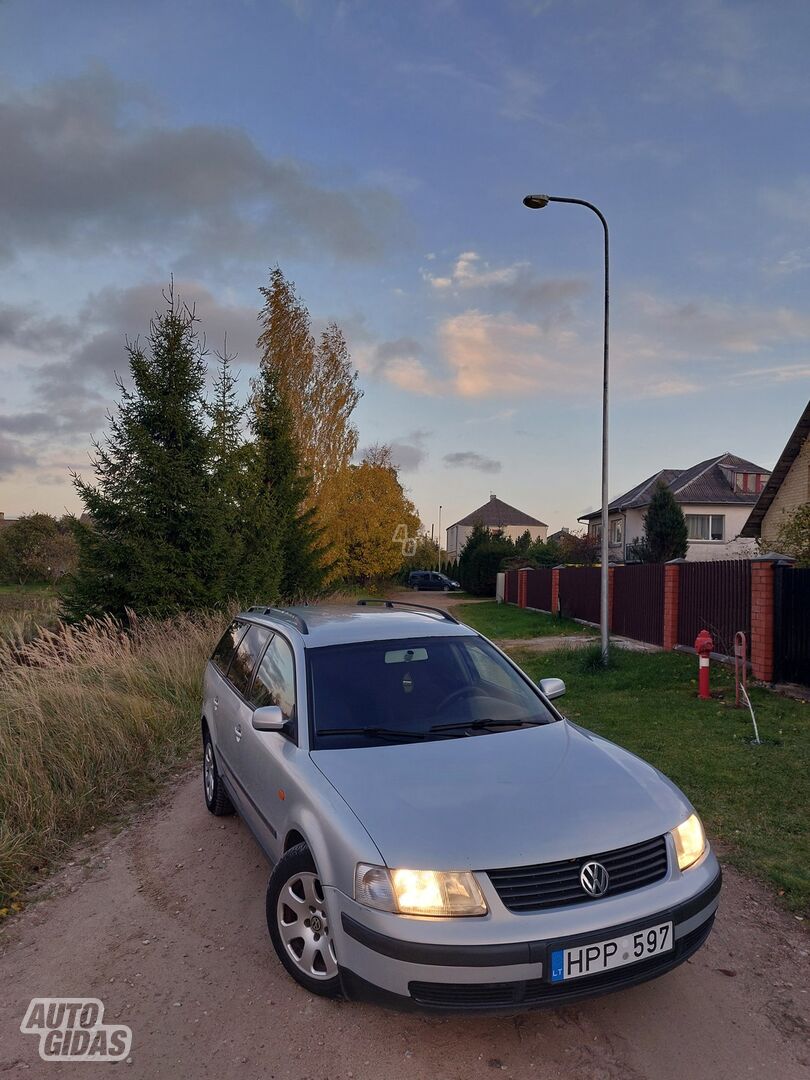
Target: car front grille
463,997
550,885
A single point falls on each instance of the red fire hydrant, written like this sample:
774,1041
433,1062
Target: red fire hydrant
703,647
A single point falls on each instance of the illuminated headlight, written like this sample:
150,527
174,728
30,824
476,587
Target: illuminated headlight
418,892
690,841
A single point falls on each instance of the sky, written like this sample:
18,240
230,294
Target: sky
379,153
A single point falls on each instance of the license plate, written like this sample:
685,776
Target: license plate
613,953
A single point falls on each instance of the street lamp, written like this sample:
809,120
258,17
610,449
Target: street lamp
538,202
440,537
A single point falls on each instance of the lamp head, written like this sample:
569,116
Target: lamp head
536,202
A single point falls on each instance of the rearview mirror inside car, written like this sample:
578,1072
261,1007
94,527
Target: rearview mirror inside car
268,718
552,688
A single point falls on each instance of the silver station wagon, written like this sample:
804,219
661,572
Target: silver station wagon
441,836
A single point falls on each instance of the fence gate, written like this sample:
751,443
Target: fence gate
638,602
714,596
792,625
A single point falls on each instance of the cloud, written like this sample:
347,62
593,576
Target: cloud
90,167
13,456
516,285
409,452
469,459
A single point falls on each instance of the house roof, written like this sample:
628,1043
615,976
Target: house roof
753,526
496,514
704,483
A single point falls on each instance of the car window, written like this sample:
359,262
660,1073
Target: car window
248,652
223,653
488,669
409,686
275,679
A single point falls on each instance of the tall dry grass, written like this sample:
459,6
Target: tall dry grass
90,717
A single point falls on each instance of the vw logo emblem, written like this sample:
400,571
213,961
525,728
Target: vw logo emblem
594,878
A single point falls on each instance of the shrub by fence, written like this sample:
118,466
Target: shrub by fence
714,596
638,602
579,592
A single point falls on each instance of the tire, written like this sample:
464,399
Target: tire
304,947
216,798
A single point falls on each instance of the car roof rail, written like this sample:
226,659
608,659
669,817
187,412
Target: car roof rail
419,609
282,613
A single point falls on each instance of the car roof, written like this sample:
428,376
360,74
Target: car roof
338,624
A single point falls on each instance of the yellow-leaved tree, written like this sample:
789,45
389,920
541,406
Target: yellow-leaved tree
374,516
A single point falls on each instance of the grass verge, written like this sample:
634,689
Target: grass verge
91,720
23,608
506,621
753,799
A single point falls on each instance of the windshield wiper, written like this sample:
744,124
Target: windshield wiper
486,722
374,732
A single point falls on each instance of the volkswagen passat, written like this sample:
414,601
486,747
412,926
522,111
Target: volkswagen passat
441,835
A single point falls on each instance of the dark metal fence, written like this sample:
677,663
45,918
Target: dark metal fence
510,587
638,602
538,589
714,596
579,592
791,651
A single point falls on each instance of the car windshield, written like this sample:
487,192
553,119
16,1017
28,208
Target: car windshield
373,693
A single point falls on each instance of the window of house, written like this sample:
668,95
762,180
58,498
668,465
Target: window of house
705,526
616,531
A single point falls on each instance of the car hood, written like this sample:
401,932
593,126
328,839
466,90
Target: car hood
508,799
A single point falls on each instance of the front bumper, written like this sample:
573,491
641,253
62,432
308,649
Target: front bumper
442,976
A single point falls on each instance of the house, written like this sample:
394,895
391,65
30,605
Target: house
494,514
715,495
787,489
4,521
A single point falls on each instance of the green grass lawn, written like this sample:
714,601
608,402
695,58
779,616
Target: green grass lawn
754,800
507,621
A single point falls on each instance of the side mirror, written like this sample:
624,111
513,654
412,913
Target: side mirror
552,688
268,718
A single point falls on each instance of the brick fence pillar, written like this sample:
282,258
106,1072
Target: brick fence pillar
523,582
672,574
762,612
555,589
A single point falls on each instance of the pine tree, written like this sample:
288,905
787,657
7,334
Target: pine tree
284,548
228,474
665,529
148,544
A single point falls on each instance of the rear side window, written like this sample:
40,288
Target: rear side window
275,680
249,651
223,653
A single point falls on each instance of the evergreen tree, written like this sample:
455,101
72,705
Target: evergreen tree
283,548
665,530
228,475
148,544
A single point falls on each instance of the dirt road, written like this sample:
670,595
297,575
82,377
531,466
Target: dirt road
165,924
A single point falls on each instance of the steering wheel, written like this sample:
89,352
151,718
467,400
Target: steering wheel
457,695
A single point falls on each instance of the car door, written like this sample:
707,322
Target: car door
234,714
270,756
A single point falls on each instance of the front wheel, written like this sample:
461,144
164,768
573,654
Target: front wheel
299,924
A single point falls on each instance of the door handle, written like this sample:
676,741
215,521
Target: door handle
238,732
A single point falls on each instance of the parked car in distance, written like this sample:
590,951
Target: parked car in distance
431,579
441,836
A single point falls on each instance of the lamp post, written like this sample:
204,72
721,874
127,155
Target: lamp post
440,537
538,202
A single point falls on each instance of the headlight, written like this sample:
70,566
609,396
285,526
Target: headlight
690,841
419,892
